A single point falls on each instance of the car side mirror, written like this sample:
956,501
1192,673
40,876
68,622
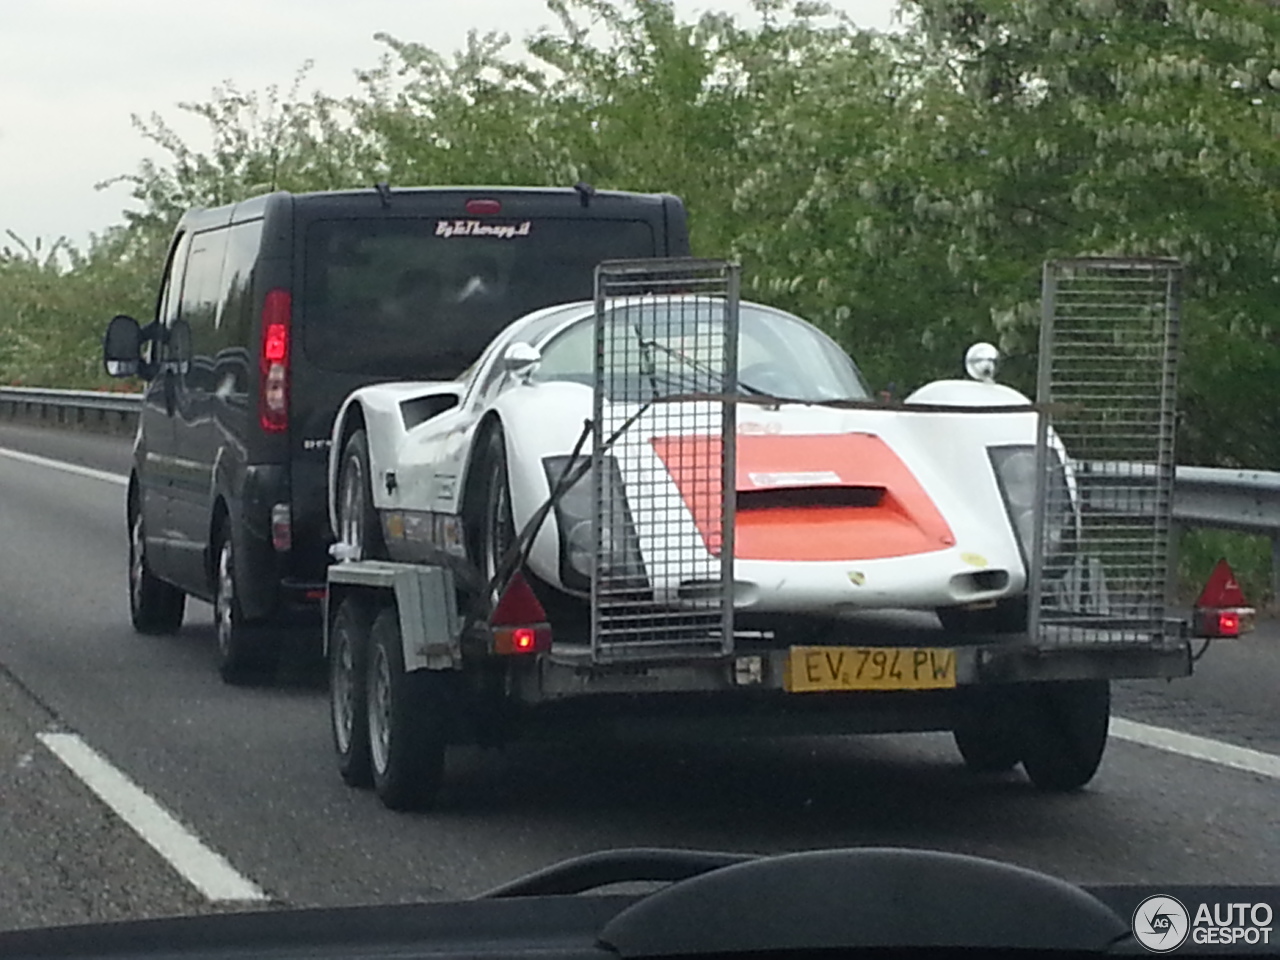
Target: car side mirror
122,347
520,358
981,361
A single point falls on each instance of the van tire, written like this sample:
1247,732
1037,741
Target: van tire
155,607
358,523
247,653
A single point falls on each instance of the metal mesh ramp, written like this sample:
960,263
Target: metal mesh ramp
663,461
1107,376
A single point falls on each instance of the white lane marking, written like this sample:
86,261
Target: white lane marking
66,467
1198,748
206,870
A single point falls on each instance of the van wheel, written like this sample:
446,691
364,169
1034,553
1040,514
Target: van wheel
358,524
348,703
155,607
408,714
1007,616
1065,733
246,652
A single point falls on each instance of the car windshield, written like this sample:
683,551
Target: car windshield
680,349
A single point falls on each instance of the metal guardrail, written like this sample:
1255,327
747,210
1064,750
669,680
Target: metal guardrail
91,409
1208,497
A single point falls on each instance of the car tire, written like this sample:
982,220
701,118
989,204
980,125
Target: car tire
1065,733
988,730
348,704
358,524
407,718
155,607
1007,616
496,527
247,653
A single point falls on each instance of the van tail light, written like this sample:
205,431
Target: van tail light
519,623
1221,609
273,363
282,527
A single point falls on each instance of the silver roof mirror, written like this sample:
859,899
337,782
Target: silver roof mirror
981,361
521,358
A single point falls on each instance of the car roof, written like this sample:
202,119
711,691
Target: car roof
573,313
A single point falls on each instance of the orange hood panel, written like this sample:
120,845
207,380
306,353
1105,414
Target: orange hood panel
811,497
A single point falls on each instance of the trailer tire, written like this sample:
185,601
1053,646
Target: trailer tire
348,703
407,717
1065,733
988,731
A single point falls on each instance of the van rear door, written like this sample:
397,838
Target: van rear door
416,288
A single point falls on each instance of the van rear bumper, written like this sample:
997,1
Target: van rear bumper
273,585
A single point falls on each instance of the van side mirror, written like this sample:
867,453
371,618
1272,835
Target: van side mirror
122,347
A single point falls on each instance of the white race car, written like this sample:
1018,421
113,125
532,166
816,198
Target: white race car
841,506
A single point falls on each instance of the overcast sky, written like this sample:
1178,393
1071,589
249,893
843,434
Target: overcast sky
72,72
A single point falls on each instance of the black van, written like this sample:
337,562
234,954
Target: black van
270,313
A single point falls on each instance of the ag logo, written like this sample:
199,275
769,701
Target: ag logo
1161,923
857,577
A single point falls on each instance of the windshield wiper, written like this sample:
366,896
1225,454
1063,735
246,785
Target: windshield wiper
698,366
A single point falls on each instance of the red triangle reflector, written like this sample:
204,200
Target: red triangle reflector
518,605
1222,590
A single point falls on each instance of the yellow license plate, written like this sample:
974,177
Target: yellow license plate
813,669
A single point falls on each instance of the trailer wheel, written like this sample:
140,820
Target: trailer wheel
987,731
407,713
358,523
348,704
1065,733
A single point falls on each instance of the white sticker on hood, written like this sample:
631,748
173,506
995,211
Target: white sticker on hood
813,478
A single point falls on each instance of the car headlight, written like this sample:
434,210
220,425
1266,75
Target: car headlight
1015,469
620,547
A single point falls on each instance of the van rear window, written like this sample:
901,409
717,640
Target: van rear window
423,297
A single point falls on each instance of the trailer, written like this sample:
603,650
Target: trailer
435,651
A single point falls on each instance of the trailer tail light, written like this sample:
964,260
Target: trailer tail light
1221,610
480,207
282,527
519,623
273,362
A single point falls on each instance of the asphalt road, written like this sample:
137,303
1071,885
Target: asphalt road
250,772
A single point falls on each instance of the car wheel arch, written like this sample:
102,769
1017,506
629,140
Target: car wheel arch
485,430
353,419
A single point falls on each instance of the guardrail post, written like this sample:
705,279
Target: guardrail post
1275,569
